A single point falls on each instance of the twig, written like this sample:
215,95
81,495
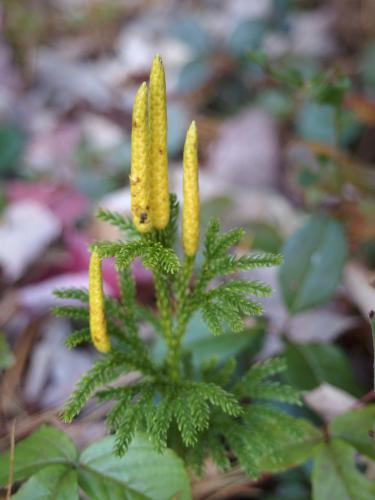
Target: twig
11,460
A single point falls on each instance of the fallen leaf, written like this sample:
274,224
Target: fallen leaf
329,401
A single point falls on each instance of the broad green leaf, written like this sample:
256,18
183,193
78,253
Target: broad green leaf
55,482
311,364
314,259
335,475
354,427
194,75
142,473
6,356
292,448
46,446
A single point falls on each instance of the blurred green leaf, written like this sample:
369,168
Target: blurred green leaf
316,122
194,75
367,67
141,474
12,143
293,446
335,475
354,427
189,30
324,90
265,237
247,35
46,446
6,355
278,103
314,259
55,482
311,364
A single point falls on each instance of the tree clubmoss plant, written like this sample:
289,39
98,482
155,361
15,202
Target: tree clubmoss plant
197,412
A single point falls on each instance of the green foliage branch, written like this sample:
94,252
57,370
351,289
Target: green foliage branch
196,412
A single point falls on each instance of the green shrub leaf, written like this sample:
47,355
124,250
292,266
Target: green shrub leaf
55,482
335,474
46,446
142,473
314,259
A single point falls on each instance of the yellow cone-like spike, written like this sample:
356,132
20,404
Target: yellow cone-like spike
159,199
98,325
190,214
139,175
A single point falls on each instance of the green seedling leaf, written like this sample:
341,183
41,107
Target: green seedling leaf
311,364
55,482
354,427
46,446
141,474
314,260
335,474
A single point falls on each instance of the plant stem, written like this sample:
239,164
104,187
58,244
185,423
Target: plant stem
165,314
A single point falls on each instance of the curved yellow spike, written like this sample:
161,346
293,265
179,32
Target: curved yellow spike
98,324
139,174
190,213
159,199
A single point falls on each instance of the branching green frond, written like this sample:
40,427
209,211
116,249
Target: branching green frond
255,384
185,420
152,253
223,307
219,374
263,432
159,421
81,294
102,372
126,226
115,415
212,232
230,264
226,241
107,249
132,419
213,319
136,354
239,286
217,451
219,397
170,232
77,338
275,391
128,298
263,370
71,312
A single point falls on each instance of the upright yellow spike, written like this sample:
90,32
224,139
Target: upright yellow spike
159,200
139,175
190,213
98,324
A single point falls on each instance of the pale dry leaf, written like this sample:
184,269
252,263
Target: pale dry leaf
358,283
329,401
246,152
26,230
